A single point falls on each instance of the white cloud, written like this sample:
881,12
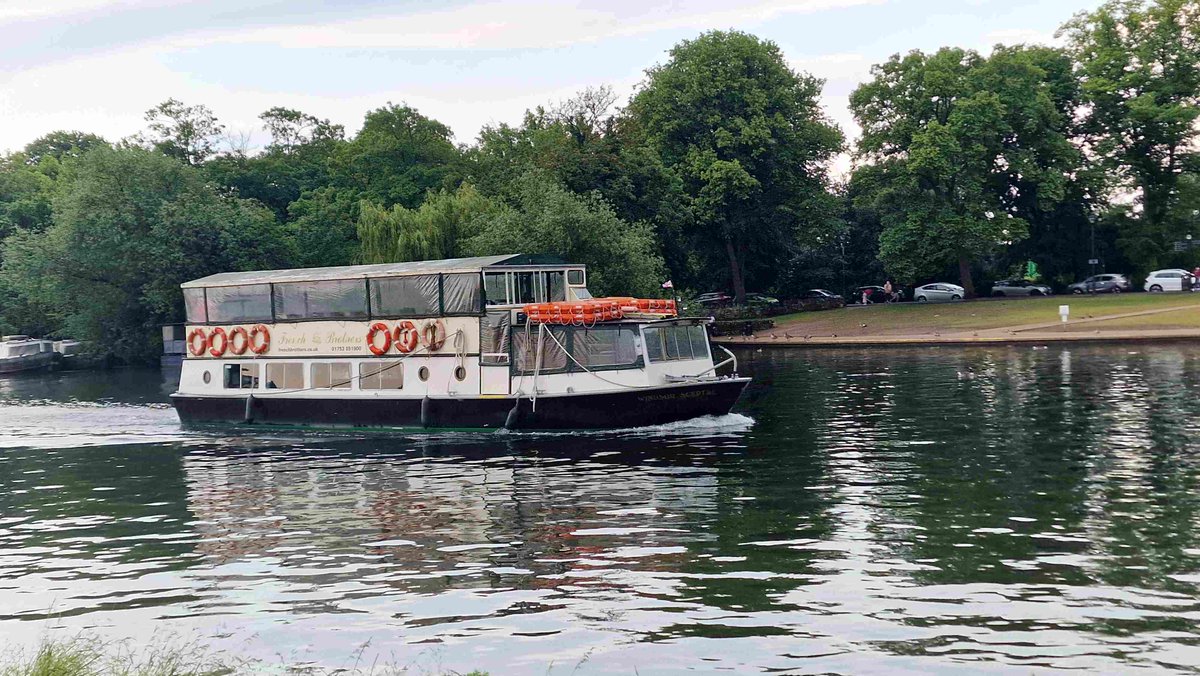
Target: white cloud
528,24
17,10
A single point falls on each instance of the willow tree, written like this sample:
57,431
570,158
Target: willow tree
747,136
435,230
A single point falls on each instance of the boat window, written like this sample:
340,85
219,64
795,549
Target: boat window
333,299
699,339
460,294
670,343
331,375
495,286
241,376
556,289
193,303
246,303
493,338
581,293
526,293
381,375
605,346
415,296
286,376
575,277
525,350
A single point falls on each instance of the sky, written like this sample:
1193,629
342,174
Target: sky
98,65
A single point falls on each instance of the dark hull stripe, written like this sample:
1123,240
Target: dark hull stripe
609,410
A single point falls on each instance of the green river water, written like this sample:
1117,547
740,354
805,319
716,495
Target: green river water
869,511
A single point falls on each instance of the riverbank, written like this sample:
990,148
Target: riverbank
1129,317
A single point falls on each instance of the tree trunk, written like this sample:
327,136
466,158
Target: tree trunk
735,273
964,274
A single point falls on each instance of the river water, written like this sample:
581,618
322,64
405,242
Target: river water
863,511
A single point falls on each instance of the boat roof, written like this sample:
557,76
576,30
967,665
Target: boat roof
446,266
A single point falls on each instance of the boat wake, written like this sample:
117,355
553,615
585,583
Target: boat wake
704,425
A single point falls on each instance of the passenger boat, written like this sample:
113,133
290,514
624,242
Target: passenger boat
511,341
22,353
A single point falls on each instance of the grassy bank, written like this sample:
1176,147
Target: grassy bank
931,318
90,656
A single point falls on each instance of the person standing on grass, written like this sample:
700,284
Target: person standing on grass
889,291
1196,279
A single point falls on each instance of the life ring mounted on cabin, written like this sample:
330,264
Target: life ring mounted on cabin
255,346
216,348
379,328
406,337
239,347
433,335
197,342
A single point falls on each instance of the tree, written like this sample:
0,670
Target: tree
61,145
323,226
435,230
1139,62
397,157
187,133
129,227
544,217
967,152
747,137
291,129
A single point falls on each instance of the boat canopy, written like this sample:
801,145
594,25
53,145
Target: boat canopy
446,266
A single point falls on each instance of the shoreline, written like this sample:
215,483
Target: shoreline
956,340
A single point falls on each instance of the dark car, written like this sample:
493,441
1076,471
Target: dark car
874,294
1019,287
821,298
1106,283
714,299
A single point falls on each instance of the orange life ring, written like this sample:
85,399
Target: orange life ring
433,335
405,336
213,348
234,346
197,348
376,329
255,346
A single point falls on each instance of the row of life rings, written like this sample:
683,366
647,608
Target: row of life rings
405,337
237,341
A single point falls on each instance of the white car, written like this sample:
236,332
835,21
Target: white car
939,291
1169,280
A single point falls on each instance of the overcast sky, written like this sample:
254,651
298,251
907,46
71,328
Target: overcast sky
98,65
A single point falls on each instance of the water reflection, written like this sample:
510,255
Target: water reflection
880,513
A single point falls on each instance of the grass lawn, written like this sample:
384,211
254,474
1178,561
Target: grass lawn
929,318
1186,318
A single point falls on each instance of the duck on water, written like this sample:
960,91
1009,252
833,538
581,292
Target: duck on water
511,341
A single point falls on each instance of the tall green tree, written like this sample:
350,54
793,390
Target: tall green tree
747,137
1139,62
967,152
187,133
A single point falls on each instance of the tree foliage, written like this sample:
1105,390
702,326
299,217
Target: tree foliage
747,137
437,229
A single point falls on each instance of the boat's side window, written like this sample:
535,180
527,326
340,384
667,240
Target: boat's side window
193,303
495,287
330,299
460,294
526,291
243,303
605,346
575,277
415,296
335,375
556,289
285,376
525,350
241,376
381,375
670,343
493,338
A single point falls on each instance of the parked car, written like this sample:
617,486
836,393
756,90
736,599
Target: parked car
1020,287
760,299
1106,283
1169,280
821,298
714,299
938,291
874,294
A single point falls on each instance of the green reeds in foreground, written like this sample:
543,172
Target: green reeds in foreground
90,656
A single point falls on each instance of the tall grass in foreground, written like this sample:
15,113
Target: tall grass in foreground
89,656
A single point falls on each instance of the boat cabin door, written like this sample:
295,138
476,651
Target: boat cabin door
494,349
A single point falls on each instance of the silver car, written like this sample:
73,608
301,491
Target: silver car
938,292
1019,287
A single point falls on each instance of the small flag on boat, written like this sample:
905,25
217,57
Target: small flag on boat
668,285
